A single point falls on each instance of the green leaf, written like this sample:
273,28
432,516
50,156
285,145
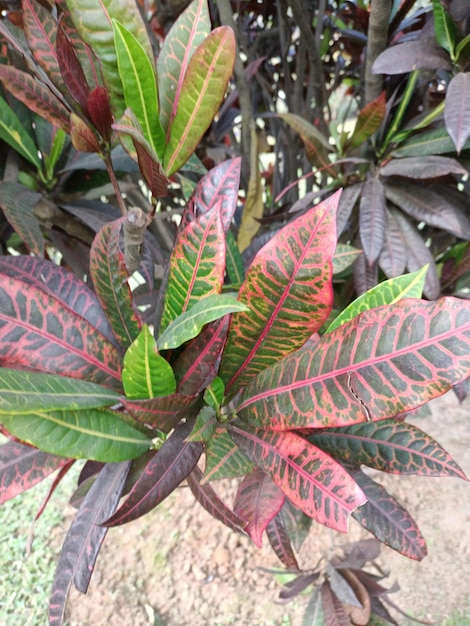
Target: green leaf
93,21
233,260
186,34
146,374
387,292
428,143
26,392
17,203
205,425
214,393
190,323
15,135
139,84
97,434
446,30
202,91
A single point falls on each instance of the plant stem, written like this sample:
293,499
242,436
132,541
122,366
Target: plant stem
377,38
115,184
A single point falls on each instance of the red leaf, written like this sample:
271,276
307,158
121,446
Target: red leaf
85,537
110,279
383,362
37,331
311,479
163,473
207,497
288,291
22,467
71,70
82,136
258,501
99,110
368,122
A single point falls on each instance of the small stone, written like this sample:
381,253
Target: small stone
221,556
197,572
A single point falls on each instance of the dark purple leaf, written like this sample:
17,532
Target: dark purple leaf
71,70
333,611
85,537
163,473
258,501
296,523
207,498
410,56
297,585
280,543
456,112
372,219
392,260
346,205
423,167
387,520
17,203
22,467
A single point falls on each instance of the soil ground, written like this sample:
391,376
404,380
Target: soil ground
179,567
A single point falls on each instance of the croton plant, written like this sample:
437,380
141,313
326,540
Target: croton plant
232,371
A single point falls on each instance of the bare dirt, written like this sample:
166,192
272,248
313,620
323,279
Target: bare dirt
179,567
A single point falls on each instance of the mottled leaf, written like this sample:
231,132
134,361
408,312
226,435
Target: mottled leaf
190,323
17,203
199,362
372,220
387,292
209,500
84,538
203,88
223,457
163,413
110,279
368,122
292,272
163,473
258,500
345,256
390,446
146,374
311,479
456,113
97,434
186,34
197,264
387,520
40,28
37,331
316,144
36,96
59,283
22,467
391,359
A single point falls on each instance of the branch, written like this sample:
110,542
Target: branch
377,39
